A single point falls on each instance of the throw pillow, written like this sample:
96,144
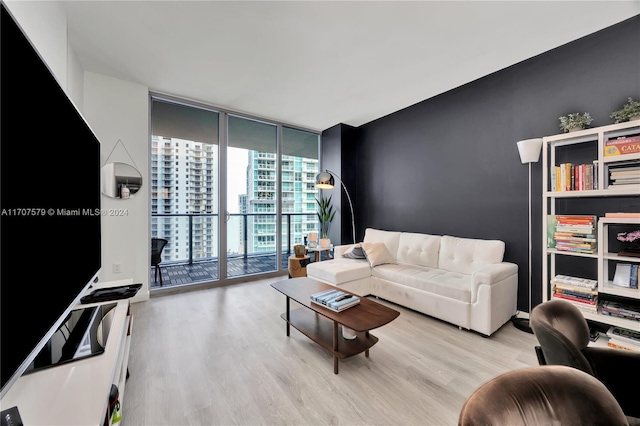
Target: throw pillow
355,253
377,254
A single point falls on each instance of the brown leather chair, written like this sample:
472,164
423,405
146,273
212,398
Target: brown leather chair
545,395
563,335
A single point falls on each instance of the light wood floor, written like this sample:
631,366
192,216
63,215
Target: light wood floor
220,356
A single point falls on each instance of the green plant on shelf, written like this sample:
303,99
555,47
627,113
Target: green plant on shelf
630,110
575,121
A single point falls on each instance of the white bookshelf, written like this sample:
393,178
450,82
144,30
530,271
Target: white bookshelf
604,258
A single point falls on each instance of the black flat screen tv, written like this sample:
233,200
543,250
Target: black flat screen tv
49,203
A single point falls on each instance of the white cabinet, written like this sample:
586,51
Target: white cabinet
588,147
77,393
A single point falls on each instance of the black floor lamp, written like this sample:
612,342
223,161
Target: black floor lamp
529,150
325,180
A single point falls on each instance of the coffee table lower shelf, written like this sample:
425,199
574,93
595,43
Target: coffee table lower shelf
325,333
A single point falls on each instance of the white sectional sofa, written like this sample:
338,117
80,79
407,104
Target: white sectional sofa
463,281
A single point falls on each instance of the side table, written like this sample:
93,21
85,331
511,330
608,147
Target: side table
298,266
318,252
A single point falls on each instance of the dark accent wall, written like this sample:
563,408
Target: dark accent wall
339,156
450,165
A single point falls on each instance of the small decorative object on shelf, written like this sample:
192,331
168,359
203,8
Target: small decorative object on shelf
632,246
575,121
629,112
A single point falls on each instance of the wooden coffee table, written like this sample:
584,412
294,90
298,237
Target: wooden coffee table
322,325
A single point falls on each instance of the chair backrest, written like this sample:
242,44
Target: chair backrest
157,245
562,332
545,395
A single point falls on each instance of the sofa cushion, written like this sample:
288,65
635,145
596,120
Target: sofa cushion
354,252
388,238
465,255
437,281
377,254
339,270
419,249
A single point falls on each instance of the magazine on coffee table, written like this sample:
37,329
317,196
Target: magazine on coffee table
335,300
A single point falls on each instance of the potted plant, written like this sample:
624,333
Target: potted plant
629,112
575,121
325,217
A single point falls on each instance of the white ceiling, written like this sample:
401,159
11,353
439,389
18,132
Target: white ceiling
314,64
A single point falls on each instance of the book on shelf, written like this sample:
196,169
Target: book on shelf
586,301
624,172
623,214
575,238
624,335
590,308
624,176
572,233
626,275
575,281
620,310
573,177
624,186
622,146
618,345
335,300
576,292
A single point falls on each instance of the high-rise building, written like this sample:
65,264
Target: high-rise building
184,179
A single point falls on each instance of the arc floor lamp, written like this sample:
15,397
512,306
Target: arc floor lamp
325,180
529,150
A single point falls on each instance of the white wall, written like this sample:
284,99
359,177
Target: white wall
114,109
119,110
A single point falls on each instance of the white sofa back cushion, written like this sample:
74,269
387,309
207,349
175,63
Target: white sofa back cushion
465,255
390,239
419,249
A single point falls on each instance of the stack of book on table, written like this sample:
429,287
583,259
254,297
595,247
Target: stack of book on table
620,310
580,292
623,339
335,300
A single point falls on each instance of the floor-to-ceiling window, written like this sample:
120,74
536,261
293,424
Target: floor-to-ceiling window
299,168
230,193
252,199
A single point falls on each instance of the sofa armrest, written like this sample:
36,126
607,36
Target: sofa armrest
491,274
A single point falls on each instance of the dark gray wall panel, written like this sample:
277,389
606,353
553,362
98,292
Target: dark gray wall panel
450,165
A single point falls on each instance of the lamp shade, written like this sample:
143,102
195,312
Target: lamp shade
325,180
529,150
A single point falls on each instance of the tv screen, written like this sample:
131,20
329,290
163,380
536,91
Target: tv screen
49,202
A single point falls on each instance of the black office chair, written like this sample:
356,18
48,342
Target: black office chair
563,335
157,245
